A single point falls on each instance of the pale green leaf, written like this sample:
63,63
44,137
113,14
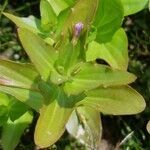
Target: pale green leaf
53,118
133,6
122,100
18,75
42,55
31,98
90,76
115,53
89,132
31,23
12,131
108,19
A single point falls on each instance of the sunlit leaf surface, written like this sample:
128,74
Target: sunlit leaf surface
121,100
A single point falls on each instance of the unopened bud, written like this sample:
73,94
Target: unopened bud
78,28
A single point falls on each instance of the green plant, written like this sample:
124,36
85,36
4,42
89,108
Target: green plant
64,83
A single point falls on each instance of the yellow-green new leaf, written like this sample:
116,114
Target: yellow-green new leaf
31,98
91,76
53,118
18,75
115,53
121,100
48,17
12,131
31,23
42,55
108,19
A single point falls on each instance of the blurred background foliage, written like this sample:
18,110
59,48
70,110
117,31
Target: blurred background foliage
129,132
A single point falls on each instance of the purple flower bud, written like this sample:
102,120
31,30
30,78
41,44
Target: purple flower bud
78,28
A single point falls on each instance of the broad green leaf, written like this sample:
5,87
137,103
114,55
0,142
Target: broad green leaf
18,75
42,55
12,131
133,6
115,53
108,19
53,118
85,125
83,11
90,76
148,127
48,17
31,23
122,100
58,5
31,98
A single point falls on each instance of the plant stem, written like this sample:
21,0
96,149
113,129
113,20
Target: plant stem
3,7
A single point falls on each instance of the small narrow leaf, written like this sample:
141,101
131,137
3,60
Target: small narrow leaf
121,100
18,75
51,123
89,132
42,55
115,53
133,6
91,76
12,131
31,98
69,57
